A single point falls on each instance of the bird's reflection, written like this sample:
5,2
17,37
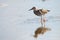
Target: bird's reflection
41,30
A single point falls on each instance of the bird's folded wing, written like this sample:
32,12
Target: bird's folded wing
44,11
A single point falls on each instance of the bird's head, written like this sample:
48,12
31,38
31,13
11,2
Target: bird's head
33,8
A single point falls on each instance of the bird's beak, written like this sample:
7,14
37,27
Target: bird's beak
29,9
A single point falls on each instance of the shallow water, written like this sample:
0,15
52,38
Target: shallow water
17,23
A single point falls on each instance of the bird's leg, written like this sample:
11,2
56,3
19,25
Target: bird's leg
44,20
41,20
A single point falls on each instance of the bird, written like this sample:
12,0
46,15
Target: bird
40,12
40,30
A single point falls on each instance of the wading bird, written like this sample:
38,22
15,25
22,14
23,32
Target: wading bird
40,12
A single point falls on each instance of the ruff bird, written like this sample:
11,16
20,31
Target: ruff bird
40,12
